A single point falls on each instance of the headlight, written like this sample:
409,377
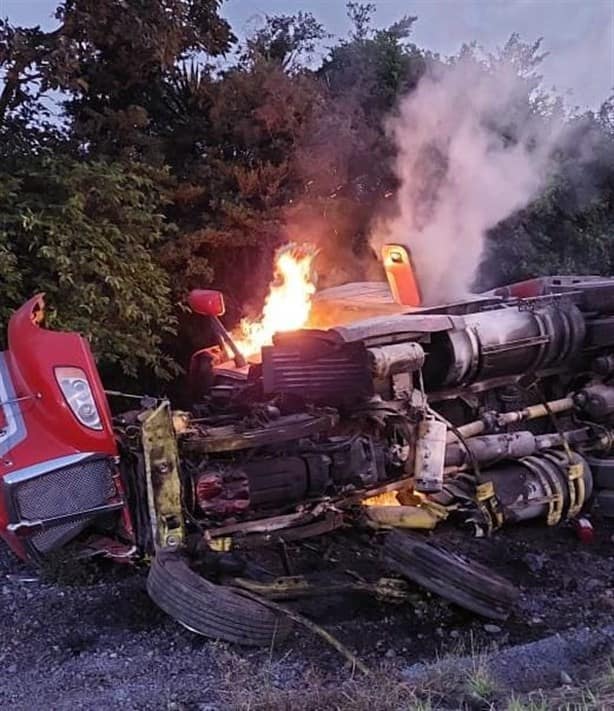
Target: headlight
76,389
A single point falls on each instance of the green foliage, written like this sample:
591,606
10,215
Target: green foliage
167,173
84,233
117,57
234,146
569,228
82,209
108,58
286,40
374,66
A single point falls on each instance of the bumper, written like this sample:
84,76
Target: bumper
50,503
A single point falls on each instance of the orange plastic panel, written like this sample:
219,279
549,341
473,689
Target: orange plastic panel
400,273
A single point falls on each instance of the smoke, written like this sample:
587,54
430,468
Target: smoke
471,151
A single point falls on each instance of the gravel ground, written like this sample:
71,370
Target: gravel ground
101,642
524,667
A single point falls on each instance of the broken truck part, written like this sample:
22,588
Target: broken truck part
481,414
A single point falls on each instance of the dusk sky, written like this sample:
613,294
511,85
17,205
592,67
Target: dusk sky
579,34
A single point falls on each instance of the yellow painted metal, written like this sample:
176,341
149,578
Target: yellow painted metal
403,516
489,505
575,476
163,478
223,544
485,491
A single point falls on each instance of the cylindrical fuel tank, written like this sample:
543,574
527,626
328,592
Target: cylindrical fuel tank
524,488
505,341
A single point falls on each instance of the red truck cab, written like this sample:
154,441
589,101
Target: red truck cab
58,454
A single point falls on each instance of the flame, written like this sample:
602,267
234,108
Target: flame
288,303
388,498
404,496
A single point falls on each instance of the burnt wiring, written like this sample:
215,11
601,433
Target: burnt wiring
606,439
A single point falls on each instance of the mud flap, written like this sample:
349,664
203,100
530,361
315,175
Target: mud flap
209,609
457,579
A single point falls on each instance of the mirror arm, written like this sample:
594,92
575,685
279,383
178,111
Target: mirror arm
226,339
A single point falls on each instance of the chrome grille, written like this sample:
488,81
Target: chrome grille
64,491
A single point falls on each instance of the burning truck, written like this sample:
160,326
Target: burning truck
350,409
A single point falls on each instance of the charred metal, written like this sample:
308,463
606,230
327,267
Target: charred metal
481,414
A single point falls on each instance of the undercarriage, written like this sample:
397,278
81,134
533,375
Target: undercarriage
374,434
479,414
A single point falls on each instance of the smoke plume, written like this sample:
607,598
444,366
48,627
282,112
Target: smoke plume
471,150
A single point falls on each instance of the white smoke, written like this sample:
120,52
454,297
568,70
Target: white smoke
470,153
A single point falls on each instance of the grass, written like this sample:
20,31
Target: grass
454,682
448,683
248,689
515,704
480,685
594,694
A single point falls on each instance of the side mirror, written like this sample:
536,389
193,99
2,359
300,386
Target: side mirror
207,302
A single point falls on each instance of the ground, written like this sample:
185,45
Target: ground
93,639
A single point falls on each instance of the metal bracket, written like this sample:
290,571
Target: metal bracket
391,590
28,527
163,479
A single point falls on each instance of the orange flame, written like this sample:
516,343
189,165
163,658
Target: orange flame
388,498
288,303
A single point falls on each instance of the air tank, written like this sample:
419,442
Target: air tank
540,486
503,342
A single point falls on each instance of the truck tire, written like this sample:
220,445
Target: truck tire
602,469
209,609
457,579
605,502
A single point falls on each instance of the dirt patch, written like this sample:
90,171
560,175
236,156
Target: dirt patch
102,642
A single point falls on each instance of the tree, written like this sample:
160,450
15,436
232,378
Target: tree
122,54
346,158
108,58
232,140
28,61
84,234
286,40
373,67
80,219
568,229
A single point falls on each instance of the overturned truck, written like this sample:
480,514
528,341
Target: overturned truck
481,413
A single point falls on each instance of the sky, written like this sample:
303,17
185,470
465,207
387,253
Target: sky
579,34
